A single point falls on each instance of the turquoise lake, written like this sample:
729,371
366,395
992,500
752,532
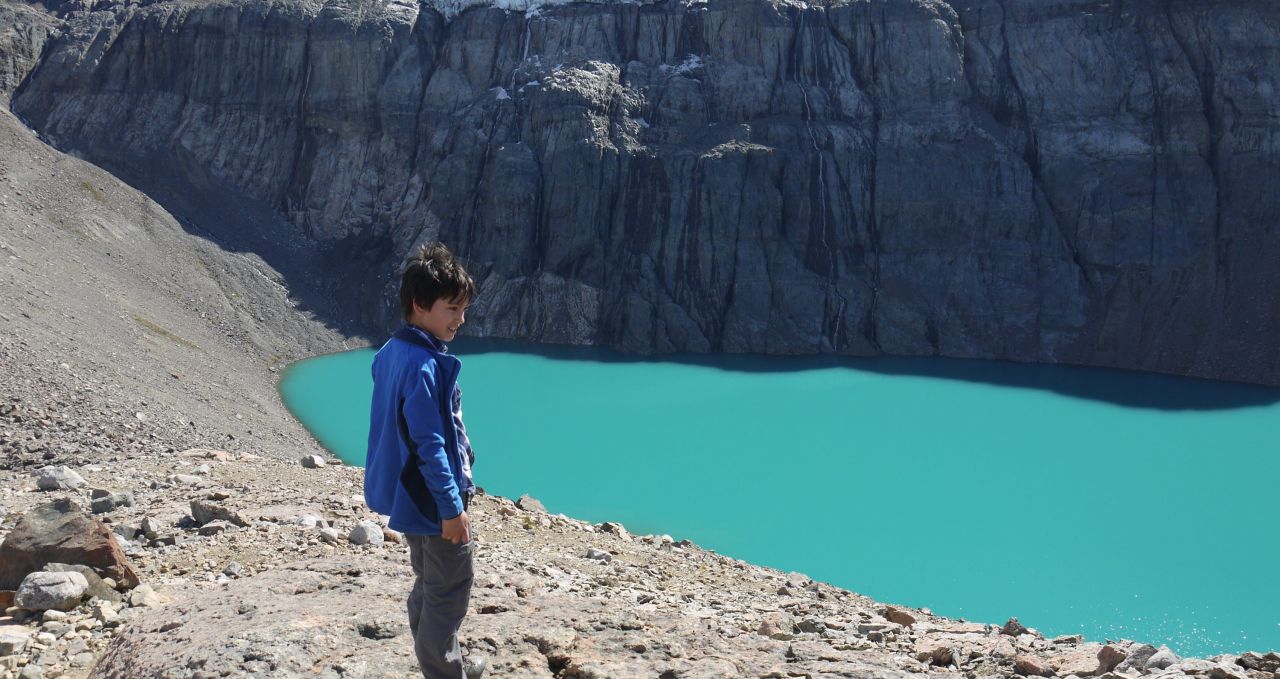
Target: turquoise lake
1108,503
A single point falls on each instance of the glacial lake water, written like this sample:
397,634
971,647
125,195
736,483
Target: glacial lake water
1108,503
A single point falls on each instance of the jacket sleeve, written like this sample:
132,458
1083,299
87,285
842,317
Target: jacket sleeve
426,431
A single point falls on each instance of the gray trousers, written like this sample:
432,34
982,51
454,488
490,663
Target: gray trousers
438,602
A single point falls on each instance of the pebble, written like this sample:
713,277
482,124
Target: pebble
107,503
214,528
366,533
58,478
144,596
1162,659
599,555
12,644
329,535
530,504
313,462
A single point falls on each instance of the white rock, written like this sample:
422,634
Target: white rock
43,590
58,478
309,521
313,462
366,533
12,644
144,596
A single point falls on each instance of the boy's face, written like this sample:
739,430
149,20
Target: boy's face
442,320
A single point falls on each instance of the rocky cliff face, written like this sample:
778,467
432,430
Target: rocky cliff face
1072,180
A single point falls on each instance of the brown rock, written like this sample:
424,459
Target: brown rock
1082,662
940,652
59,532
1031,666
1013,628
898,615
204,511
1109,658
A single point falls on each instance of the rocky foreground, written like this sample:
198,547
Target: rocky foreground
232,564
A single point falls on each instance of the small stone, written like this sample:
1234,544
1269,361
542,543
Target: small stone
1031,666
43,590
204,511
150,527
58,478
1161,659
392,536
202,470
183,479
599,555
84,659
366,533
12,644
530,504
898,615
811,625
233,569
214,528
1109,658
1013,628
144,596
53,615
32,672
615,528
313,462
107,503
1225,671
309,521
330,535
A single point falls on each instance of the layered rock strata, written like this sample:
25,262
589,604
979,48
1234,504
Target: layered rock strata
1077,181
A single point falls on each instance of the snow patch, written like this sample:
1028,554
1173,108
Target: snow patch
690,64
452,8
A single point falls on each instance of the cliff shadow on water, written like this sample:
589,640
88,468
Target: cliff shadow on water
1127,388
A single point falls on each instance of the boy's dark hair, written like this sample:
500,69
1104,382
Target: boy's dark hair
432,272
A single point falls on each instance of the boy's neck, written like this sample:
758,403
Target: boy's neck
428,333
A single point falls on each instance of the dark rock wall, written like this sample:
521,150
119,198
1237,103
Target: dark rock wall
1086,182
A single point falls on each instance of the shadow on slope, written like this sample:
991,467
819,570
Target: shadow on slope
331,281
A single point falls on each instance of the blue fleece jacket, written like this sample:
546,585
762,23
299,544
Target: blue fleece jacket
413,471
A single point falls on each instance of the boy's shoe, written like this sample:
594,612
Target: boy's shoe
474,667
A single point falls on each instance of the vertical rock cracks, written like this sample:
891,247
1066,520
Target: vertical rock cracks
976,178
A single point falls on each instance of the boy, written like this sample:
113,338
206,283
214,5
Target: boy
418,469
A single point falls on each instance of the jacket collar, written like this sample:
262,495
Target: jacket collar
415,335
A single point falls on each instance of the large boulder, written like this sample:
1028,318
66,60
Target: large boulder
46,590
60,532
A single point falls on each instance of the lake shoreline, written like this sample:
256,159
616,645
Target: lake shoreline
143,360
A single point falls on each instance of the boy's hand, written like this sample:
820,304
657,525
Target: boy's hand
457,530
